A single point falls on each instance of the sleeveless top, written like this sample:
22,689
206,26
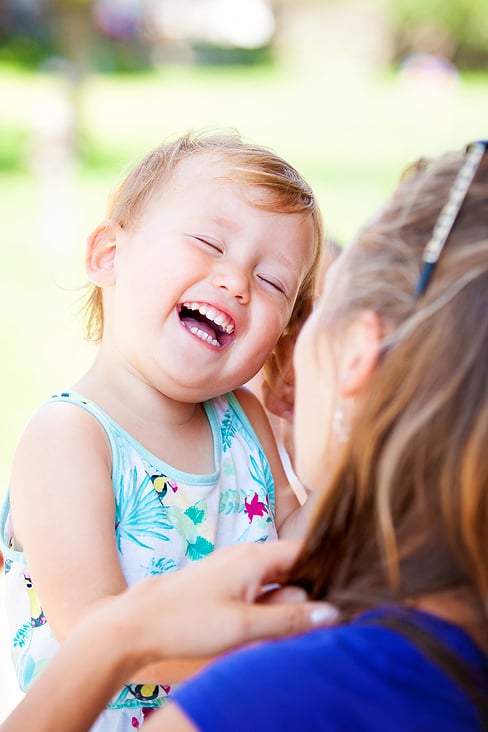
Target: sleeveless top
164,520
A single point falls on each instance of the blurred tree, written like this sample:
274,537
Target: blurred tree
73,32
23,32
457,29
34,30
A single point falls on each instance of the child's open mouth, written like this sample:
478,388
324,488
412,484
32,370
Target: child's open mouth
207,323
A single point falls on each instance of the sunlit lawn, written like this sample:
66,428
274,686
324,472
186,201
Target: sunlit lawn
349,138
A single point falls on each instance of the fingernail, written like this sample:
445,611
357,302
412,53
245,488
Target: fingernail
270,587
323,615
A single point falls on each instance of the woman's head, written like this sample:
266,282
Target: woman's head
405,511
284,191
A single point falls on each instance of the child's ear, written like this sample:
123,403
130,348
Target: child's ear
361,353
101,248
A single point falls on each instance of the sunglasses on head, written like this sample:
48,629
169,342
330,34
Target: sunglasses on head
449,212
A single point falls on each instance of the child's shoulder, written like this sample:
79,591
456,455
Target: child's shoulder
62,450
243,407
59,423
250,405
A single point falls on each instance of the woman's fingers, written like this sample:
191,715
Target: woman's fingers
277,620
217,604
263,565
273,594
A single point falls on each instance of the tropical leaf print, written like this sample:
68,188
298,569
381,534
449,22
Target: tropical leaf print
160,566
139,512
20,638
243,432
182,523
199,548
228,430
244,537
257,474
185,523
197,513
261,474
229,502
228,467
29,670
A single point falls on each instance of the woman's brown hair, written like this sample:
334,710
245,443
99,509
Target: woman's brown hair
406,511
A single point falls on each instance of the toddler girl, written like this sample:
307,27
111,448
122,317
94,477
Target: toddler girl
155,457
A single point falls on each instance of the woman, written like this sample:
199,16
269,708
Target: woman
391,427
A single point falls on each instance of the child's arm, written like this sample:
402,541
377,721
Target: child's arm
204,609
64,514
64,518
291,518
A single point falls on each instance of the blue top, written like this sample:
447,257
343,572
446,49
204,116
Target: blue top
359,676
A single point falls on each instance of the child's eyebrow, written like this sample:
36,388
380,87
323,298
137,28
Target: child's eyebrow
223,221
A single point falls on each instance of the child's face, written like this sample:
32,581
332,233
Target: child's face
204,284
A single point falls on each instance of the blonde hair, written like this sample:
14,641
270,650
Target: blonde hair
286,192
405,513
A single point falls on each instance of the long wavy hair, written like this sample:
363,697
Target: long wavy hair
406,510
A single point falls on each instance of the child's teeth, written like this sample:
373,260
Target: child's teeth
204,336
212,314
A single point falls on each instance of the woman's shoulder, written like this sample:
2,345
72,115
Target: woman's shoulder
344,671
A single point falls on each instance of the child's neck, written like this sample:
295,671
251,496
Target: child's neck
176,432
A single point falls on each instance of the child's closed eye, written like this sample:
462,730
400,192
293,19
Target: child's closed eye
274,283
211,243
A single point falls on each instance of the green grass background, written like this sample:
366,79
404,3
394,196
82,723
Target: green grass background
349,136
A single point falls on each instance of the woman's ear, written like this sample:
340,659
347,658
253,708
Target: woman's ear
101,248
362,341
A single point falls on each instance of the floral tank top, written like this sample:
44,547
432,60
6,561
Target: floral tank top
164,520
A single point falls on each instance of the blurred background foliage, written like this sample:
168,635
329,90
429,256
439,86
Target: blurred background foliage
120,35
349,91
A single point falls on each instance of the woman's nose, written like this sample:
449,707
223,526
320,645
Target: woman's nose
234,279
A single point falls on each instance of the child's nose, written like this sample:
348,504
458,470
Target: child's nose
234,279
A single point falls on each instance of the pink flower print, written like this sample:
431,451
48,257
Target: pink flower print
255,507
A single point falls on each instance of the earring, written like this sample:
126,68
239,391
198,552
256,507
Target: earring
340,425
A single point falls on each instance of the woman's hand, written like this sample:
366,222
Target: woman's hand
211,606
199,611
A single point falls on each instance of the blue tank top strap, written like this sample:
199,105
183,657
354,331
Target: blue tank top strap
249,434
4,514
